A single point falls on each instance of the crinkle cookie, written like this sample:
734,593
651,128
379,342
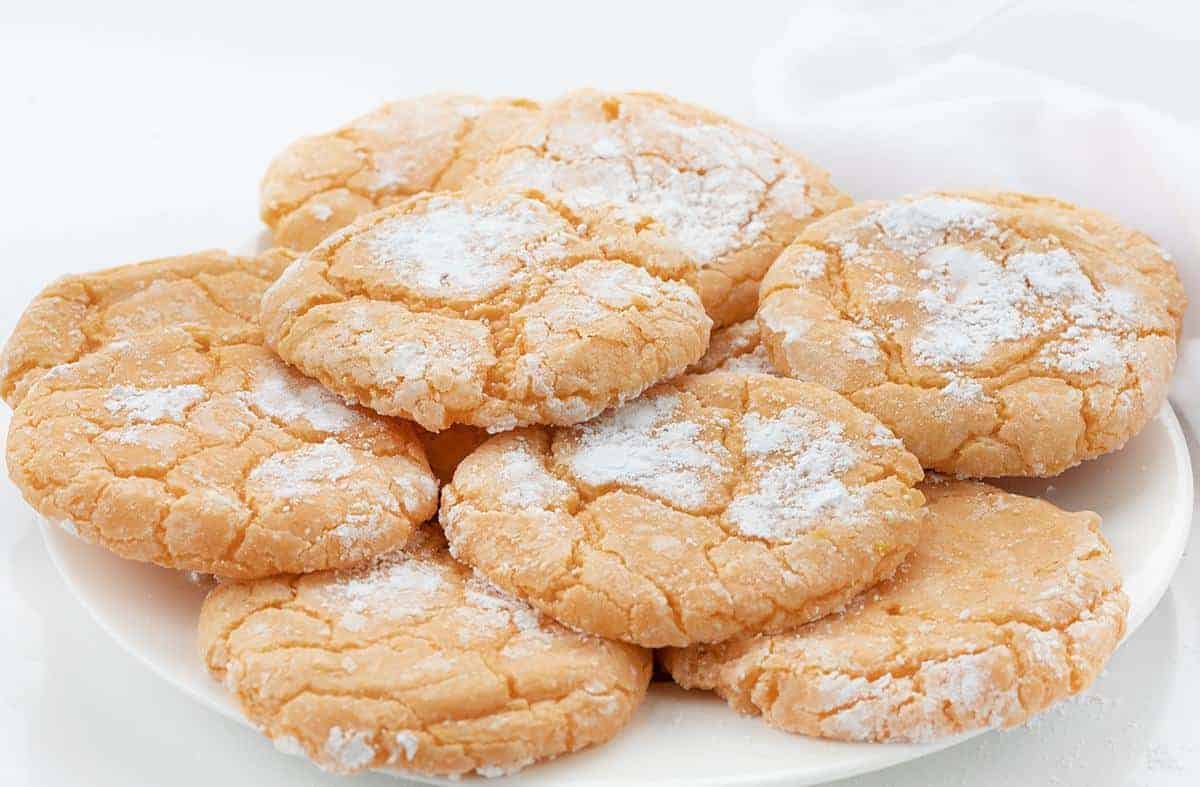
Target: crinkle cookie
730,196
174,447
211,294
1007,606
996,334
319,184
215,459
735,348
410,663
712,506
487,309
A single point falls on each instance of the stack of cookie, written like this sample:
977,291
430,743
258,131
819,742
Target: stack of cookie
673,390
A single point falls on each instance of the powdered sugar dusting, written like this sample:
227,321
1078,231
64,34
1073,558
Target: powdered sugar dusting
882,437
754,362
483,595
793,329
527,483
1126,304
810,263
859,343
414,360
451,354
409,743
151,405
973,304
736,348
362,524
285,395
455,249
416,486
290,745
797,459
1086,351
704,183
1048,649
393,587
614,285
400,139
391,169
348,750
151,436
919,225
497,772
932,700
645,446
586,293
966,684
976,304
305,472
964,389
1054,274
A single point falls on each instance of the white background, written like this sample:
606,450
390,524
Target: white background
133,130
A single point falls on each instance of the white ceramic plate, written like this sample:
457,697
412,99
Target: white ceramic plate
1143,493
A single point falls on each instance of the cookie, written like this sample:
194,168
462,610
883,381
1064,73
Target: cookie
712,506
446,449
413,664
997,334
735,348
322,183
1007,606
487,309
730,196
174,448
211,294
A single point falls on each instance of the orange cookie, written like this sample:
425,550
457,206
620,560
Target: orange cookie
712,506
193,447
996,334
487,309
1007,606
322,183
411,664
730,196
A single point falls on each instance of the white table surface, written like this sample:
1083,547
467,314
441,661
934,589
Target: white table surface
134,130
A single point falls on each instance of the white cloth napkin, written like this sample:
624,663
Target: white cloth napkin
947,95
